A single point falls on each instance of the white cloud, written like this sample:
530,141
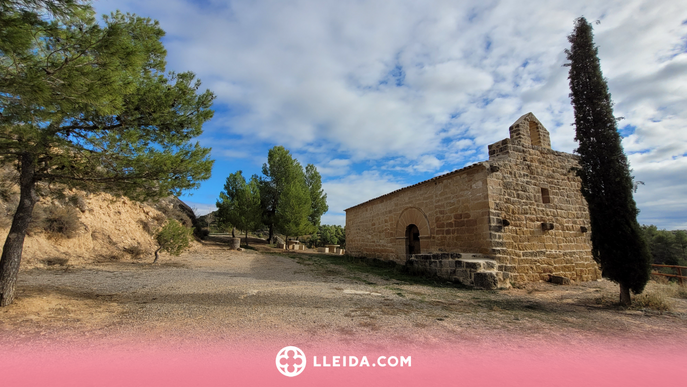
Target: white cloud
414,86
201,208
662,197
354,189
335,167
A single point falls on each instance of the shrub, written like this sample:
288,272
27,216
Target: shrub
136,251
149,227
171,210
60,221
682,291
200,233
173,238
56,261
8,182
159,218
79,202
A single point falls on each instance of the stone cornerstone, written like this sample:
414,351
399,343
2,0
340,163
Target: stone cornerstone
519,217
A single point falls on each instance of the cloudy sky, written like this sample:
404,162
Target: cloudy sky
381,94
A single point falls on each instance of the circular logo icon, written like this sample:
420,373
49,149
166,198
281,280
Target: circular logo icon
290,361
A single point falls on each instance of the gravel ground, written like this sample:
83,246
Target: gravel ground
214,294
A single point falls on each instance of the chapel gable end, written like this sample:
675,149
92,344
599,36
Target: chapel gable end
528,130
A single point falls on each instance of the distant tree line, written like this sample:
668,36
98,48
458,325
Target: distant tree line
328,235
667,247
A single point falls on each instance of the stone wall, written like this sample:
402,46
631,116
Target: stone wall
468,269
538,219
523,209
450,211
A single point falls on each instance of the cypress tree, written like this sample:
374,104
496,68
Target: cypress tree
617,242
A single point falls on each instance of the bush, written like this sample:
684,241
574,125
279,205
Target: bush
60,221
136,251
681,291
200,233
8,182
173,238
171,208
79,202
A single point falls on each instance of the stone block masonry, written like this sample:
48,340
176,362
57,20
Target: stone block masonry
521,209
468,269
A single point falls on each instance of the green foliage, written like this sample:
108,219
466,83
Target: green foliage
173,237
292,199
681,242
239,203
318,199
328,235
90,106
667,247
294,209
278,170
55,8
606,182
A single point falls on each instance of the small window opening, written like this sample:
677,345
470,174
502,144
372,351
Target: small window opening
545,198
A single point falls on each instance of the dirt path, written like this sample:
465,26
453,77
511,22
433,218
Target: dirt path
217,294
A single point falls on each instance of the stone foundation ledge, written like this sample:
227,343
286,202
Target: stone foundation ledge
468,269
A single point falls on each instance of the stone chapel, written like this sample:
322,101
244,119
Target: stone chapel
518,217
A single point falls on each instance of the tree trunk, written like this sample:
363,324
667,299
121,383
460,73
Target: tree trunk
156,254
271,233
233,232
625,299
246,237
14,244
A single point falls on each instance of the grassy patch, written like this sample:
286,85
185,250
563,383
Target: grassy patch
655,300
682,291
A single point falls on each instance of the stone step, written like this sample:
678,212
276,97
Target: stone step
468,268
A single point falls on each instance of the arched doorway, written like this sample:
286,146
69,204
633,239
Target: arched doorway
412,240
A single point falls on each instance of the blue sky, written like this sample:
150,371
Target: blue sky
384,94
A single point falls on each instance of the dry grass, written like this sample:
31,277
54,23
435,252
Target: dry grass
682,292
62,221
8,184
658,294
150,227
79,202
137,251
654,300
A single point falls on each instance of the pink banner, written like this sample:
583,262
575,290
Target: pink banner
515,363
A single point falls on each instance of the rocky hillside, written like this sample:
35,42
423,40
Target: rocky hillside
72,227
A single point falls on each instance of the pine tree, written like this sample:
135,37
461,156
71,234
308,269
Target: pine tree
239,203
90,106
318,199
617,242
293,211
276,174
284,177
